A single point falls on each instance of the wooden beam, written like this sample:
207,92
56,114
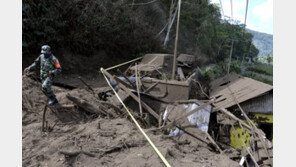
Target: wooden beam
190,113
122,82
145,106
87,106
138,90
181,74
235,118
176,41
151,87
126,78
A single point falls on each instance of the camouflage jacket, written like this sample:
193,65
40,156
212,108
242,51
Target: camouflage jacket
50,64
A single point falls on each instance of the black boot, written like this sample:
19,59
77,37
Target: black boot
52,101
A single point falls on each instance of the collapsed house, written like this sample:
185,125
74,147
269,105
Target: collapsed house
235,93
221,122
254,97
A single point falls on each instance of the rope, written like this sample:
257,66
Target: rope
110,68
139,127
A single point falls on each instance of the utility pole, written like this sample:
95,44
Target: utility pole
230,55
246,14
176,42
231,12
222,9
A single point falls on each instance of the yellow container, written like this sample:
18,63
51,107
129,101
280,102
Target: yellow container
243,135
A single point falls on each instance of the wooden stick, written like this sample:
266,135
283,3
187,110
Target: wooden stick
122,82
126,78
88,86
151,87
190,113
190,101
75,153
87,106
192,133
145,106
43,117
214,143
176,41
235,118
181,74
138,90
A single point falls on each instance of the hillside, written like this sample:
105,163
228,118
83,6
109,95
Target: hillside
263,41
86,35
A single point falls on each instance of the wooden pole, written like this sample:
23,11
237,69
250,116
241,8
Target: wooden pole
230,55
43,117
123,87
176,41
138,90
246,14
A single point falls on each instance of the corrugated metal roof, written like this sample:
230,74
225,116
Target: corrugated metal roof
185,58
151,62
243,88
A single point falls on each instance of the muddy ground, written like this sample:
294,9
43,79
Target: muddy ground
100,141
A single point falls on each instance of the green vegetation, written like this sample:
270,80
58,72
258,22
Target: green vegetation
123,32
115,27
85,27
257,71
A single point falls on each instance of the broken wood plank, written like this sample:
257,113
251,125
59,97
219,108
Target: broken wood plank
190,113
44,116
181,74
85,105
126,78
145,106
122,82
214,143
86,85
151,87
235,118
194,132
190,101
138,90
75,153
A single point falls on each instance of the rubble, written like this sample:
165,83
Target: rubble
181,128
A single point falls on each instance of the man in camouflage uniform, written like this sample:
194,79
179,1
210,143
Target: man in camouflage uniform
49,68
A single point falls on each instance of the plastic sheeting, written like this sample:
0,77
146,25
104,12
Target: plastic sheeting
200,118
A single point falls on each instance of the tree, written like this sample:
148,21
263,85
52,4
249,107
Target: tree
269,59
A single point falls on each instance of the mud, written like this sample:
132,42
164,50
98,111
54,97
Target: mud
100,141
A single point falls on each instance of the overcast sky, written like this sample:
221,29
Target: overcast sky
260,13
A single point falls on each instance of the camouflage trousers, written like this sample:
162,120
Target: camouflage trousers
46,86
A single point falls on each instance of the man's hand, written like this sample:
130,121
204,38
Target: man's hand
27,69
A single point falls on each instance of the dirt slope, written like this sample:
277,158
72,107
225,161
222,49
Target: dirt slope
107,142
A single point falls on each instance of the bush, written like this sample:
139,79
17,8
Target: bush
211,73
85,27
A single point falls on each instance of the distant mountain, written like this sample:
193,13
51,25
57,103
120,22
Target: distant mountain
263,41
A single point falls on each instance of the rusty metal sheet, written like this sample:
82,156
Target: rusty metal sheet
185,58
243,88
151,62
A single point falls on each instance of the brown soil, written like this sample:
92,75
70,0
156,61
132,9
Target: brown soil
99,141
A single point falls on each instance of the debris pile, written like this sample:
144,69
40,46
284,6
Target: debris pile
92,126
